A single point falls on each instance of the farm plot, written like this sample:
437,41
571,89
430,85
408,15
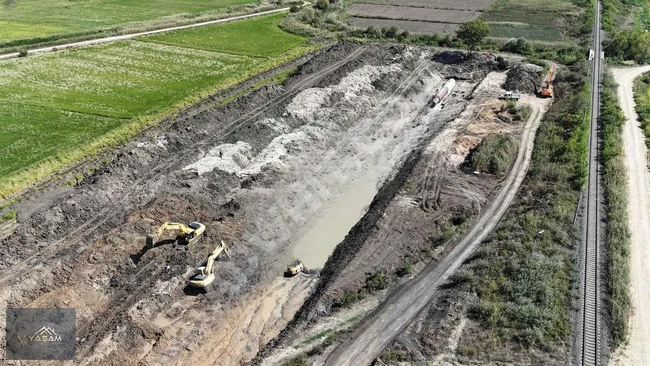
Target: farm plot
120,80
31,19
470,5
60,103
417,16
258,37
409,13
544,20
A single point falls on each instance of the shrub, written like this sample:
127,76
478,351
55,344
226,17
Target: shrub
403,36
322,4
376,282
9,215
404,271
390,32
22,53
299,360
494,155
519,46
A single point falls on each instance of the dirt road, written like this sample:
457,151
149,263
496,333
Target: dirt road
637,351
97,41
393,315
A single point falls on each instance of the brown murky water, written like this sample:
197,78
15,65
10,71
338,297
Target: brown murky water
314,247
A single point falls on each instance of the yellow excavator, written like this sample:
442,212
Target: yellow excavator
186,234
295,268
204,275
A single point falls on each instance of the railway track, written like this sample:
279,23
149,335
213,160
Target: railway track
589,337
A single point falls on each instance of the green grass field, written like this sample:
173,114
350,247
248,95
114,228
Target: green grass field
57,104
25,19
543,20
259,37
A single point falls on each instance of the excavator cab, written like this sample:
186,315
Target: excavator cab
295,268
199,274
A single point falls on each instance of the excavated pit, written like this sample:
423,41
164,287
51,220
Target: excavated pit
270,173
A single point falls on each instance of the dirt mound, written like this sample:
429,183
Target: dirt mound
449,57
524,78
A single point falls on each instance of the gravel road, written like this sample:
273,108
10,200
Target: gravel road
392,316
637,351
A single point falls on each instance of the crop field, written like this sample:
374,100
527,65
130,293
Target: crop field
409,25
52,104
544,20
548,20
409,13
24,19
259,37
417,16
470,5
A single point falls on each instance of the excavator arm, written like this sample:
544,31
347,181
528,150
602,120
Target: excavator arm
213,257
205,273
182,228
186,233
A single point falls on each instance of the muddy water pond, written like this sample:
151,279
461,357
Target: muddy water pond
315,245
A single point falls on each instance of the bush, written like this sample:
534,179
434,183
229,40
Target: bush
294,8
403,36
494,155
322,4
404,271
22,53
378,281
9,215
519,46
390,32
348,299
299,360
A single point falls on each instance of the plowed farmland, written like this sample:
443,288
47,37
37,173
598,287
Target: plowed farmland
416,16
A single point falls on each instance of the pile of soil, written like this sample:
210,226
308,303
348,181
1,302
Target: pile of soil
524,78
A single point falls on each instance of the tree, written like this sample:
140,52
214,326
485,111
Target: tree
472,33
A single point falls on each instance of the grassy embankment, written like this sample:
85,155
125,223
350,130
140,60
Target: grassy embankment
523,279
26,22
612,121
642,99
58,107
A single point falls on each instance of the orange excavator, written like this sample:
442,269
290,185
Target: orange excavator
547,90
